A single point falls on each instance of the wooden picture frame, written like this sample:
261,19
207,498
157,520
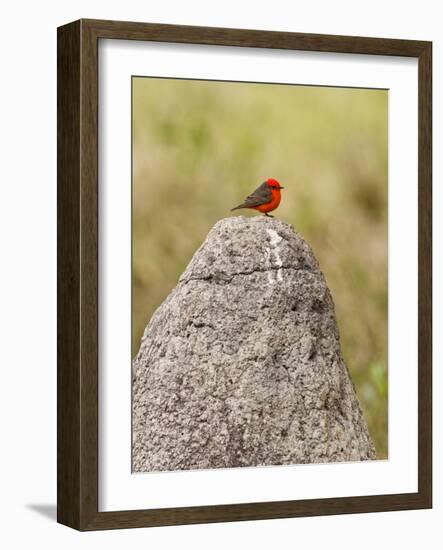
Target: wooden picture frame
77,431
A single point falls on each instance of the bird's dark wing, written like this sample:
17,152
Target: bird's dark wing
261,195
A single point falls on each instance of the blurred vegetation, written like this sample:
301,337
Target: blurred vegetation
201,147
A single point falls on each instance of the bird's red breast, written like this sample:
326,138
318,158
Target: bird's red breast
272,204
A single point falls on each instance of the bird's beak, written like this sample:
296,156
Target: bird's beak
281,187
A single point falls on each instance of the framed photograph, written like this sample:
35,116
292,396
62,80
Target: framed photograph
244,274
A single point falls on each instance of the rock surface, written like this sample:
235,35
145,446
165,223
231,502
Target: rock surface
241,364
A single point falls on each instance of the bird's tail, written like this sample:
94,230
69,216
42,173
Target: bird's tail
239,207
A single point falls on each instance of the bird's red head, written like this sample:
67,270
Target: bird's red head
274,184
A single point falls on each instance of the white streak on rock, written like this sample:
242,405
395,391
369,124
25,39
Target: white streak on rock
273,256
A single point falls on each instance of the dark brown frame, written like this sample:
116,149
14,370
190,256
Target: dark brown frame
77,405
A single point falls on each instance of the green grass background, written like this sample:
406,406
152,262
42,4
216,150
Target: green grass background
200,147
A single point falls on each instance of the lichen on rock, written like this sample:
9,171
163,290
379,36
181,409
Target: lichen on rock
241,365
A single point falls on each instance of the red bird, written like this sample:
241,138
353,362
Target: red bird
265,198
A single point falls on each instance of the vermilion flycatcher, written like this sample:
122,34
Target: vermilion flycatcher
265,198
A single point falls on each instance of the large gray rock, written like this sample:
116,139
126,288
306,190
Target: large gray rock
241,365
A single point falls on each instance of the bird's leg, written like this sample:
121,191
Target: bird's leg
269,215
